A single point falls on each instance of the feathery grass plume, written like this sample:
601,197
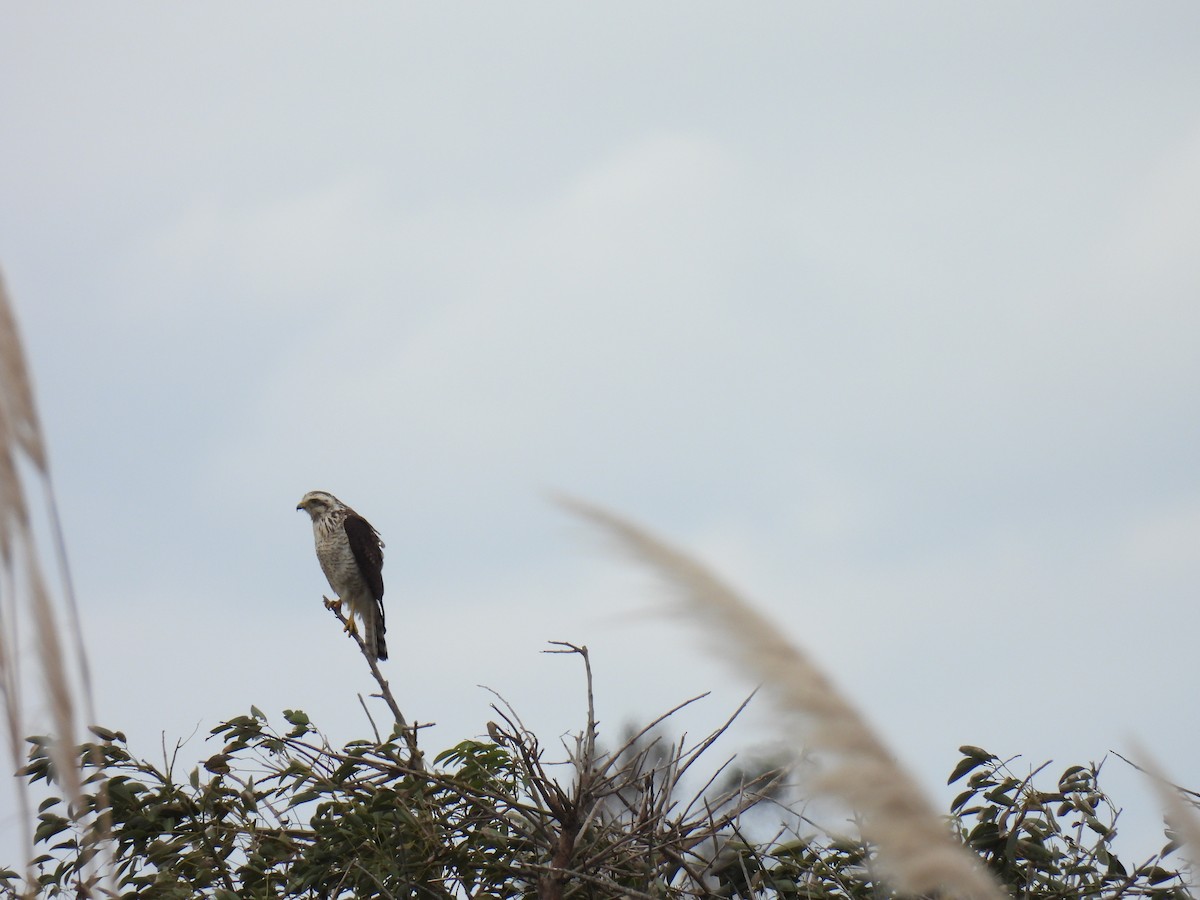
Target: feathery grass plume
23,587
1181,815
916,851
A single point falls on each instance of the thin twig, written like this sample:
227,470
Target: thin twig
1177,787
370,718
385,692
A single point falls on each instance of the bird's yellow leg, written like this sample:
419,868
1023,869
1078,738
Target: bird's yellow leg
351,628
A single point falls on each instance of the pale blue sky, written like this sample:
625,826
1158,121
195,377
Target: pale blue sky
888,311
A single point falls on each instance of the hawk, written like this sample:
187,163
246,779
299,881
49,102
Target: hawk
351,555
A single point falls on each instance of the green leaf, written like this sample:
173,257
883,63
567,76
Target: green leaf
106,735
961,800
982,779
49,827
999,796
1066,780
965,765
977,753
984,836
36,770
304,796
1157,875
218,765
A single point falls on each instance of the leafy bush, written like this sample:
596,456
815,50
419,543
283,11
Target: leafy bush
1055,842
281,813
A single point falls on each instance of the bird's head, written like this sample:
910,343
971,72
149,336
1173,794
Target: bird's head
318,503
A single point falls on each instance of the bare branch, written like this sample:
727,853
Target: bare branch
385,692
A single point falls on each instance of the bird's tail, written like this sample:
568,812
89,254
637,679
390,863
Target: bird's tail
374,629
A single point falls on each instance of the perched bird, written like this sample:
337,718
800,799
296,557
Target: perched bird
351,555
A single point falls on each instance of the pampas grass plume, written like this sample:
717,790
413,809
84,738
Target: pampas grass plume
916,851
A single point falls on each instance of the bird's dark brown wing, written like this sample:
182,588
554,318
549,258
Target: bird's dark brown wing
368,552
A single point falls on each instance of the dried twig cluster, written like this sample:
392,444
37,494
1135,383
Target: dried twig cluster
615,821
618,820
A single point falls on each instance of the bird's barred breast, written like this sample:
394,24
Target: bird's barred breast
338,563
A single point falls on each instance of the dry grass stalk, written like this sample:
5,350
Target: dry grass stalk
916,851
19,410
25,596
1181,814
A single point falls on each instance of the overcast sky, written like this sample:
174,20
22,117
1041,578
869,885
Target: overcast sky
889,312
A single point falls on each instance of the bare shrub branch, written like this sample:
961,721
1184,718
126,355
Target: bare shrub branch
385,691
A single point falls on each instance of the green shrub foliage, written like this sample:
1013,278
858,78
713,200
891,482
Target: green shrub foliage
280,813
